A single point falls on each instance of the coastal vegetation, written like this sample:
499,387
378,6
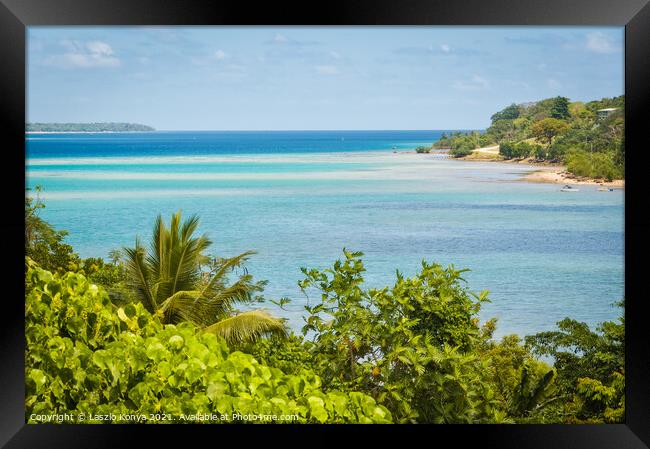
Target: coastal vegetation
587,137
411,352
86,127
170,283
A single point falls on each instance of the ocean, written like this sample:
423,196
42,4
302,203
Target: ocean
299,197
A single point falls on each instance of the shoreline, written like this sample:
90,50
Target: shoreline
545,172
559,175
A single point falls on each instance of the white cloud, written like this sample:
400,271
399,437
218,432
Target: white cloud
218,57
445,48
475,83
280,38
601,43
84,55
99,48
553,84
327,69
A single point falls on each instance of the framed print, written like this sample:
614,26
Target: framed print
355,217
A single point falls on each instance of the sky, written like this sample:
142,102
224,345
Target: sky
313,78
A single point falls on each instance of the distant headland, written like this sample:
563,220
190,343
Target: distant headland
86,127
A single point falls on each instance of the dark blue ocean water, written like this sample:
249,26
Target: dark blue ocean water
201,143
298,198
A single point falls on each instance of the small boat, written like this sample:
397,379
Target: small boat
568,188
605,189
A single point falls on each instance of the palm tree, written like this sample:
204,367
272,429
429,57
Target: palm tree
170,282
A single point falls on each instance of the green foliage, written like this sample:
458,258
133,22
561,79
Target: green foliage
461,149
509,113
291,354
604,103
547,129
169,281
523,386
590,367
43,243
463,143
505,130
560,108
540,153
567,129
423,149
412,352
593,165
507,149
86,127
520,150
83,355
409,345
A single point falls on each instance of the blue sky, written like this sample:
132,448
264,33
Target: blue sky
283,78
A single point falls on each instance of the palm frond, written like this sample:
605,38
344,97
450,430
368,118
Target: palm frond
191,306
240,291
156,257
542,389
225,266
140,275
248,326
168,279
185,261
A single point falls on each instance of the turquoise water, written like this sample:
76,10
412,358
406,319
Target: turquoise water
298,198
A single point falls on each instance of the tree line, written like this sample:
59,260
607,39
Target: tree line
87,127
589,142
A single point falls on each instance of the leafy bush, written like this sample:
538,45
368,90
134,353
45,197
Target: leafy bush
509,113
462,149
462,143
593,165
590,366
523,150
519,150
43,243
409,345
85,356
423,149
507,150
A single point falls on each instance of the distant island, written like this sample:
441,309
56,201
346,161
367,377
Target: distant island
86,127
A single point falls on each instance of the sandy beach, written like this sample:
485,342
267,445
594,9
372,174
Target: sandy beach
544,172
559,175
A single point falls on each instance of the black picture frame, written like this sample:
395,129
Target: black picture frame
16,15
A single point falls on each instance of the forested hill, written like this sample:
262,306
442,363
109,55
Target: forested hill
87,127
587,137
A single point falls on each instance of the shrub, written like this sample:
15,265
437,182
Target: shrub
507,150
590,366
540,152
43,243
523,150
423,149
593,165
409,345
85,356
463,149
